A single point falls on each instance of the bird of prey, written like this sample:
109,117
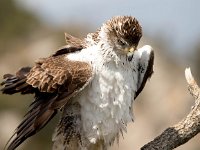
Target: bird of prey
92,81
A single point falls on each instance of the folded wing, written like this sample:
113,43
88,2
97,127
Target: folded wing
145,67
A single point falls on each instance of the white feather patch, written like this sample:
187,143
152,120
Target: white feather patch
106,101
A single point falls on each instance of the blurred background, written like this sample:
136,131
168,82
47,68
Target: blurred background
32,29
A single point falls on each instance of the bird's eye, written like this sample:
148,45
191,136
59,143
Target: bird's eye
121,43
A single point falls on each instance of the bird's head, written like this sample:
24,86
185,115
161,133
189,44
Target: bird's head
122,33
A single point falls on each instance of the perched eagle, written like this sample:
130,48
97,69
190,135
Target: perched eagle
92,81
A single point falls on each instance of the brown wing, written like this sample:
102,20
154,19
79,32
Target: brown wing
145,70
73,41
54,81
73,44
17,83
66,50
59,75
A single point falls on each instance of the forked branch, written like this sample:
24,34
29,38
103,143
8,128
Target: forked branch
186,129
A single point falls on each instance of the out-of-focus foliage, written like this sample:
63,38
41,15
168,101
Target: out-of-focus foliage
15,23
196,60
163,102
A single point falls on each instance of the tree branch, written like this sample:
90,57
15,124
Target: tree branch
186,129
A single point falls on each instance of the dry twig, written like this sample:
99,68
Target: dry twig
186,129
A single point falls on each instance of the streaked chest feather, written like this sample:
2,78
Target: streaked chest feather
106,103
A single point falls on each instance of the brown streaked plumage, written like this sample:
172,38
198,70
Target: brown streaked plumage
126,28
17,83
107,57
55,74
54,81
73,41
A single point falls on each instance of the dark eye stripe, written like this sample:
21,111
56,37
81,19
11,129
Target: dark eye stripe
121,42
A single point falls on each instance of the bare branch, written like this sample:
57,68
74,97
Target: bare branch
192,85
186,129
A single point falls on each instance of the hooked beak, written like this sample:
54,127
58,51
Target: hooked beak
130,53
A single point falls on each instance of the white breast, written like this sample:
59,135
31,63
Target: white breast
106,103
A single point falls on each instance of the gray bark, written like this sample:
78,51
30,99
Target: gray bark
186,129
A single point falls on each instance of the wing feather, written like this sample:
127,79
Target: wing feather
54,81
145,67
73,41
51,74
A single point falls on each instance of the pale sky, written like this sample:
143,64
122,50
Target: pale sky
177,20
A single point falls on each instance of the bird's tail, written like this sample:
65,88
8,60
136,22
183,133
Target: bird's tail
40,111
36,118
17,83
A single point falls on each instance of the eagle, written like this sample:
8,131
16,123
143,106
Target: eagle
92,82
